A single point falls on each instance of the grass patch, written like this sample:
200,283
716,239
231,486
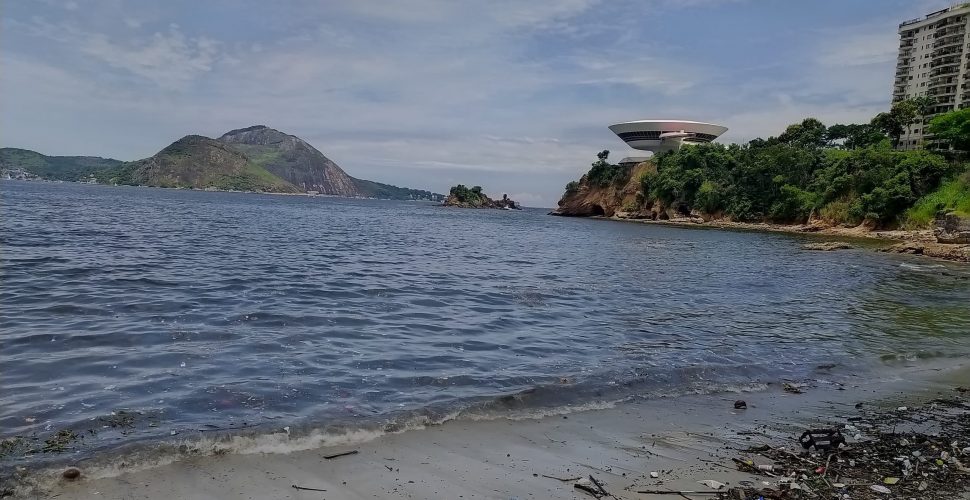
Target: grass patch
952,196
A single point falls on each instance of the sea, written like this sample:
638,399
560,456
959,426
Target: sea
137,319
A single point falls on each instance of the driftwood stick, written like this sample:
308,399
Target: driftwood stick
599,485
306,489
563,479
338,455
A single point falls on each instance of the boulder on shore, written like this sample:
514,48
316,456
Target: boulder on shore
952,229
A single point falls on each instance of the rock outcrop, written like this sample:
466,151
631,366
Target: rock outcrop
953,229
291,159
619,197
827,246
463,197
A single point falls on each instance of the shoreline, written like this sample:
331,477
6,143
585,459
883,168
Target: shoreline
913,242
666,444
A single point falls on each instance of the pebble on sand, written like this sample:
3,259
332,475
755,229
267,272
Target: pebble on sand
71,473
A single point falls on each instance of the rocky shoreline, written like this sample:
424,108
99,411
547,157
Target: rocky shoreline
913,242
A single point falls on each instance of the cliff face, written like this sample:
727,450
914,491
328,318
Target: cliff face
291,159
588,198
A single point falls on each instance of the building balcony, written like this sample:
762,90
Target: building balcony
955,50
948,41
942,92
953,29
945,62
945,71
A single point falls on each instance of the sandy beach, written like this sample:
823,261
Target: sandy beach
679,440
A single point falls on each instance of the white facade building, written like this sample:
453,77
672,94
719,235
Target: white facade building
932,62
665,135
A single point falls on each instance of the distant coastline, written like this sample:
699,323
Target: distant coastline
252,159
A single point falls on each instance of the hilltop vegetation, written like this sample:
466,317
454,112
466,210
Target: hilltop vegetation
465,197
840,174
68,168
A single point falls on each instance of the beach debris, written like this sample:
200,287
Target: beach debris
682,493
712,484
60,442
792,388
305,488
563,479
740,405
593,486
655,474
584,484
878,488
342,454
890,480
599,485
71,473
822,439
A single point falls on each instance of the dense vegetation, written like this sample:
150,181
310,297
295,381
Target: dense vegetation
373,189
67,168
844,174
471,196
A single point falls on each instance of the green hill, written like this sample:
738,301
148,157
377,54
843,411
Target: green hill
199,162
67,168
256,158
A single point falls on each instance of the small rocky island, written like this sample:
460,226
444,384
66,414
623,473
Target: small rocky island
464,197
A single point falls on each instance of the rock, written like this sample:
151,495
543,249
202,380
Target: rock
910,247
463,197
952,229
740,405
827,246
71,473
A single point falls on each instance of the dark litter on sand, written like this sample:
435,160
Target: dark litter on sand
909,452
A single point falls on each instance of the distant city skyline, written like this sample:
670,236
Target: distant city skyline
515,97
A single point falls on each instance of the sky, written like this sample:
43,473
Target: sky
515,96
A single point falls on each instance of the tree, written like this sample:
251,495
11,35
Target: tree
809,133
890,125
906,112
853,136
952,128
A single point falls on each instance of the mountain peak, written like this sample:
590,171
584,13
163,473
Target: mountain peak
247,129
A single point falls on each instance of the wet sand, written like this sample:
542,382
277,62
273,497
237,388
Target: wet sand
683,439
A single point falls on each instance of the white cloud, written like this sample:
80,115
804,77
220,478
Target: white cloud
169,59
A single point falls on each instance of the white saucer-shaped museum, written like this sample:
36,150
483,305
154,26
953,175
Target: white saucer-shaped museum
658,136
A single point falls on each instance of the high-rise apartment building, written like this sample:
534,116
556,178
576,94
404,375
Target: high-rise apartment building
933,61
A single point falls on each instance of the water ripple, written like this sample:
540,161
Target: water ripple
207,310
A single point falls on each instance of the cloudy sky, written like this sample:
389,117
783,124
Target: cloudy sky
513,96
